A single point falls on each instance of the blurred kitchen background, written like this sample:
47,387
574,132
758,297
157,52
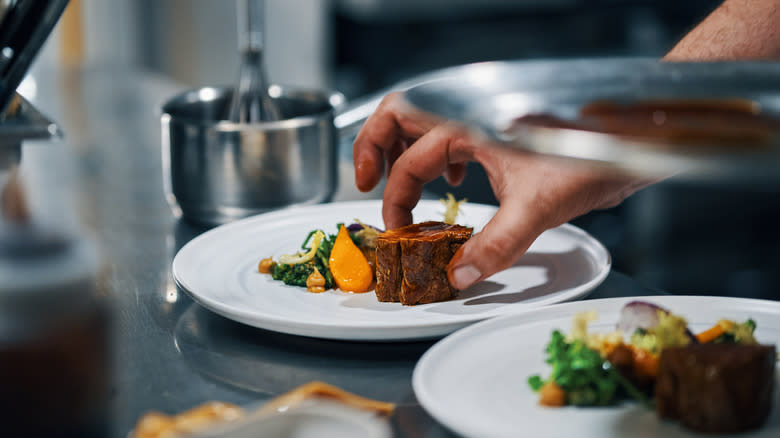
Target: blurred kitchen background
677,236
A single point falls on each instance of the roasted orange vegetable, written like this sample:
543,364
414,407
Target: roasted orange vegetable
710,334
349,266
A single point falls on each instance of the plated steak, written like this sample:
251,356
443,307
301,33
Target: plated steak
716,388
412,262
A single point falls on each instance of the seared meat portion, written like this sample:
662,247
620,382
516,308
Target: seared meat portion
716,388
388,268
412,262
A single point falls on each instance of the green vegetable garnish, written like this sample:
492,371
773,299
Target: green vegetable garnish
295,274
586,377
738,333
536,383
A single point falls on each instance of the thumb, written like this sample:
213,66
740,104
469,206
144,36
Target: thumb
498,246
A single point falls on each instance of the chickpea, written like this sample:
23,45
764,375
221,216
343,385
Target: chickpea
265,265
315,282
552,395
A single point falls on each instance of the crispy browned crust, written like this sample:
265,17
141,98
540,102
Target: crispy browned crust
412,262
388,269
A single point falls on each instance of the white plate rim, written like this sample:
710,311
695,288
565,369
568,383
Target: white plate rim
362,331
460,425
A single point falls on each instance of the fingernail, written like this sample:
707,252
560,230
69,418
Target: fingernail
464,276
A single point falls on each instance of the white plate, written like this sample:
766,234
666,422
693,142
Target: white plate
219,270
475,381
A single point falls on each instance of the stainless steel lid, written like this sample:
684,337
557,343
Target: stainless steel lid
490,97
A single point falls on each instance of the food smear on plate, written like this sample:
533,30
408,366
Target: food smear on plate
412,262
717,381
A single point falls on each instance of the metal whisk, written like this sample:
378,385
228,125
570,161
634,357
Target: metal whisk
251,102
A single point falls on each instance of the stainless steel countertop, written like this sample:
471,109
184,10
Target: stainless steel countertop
170,354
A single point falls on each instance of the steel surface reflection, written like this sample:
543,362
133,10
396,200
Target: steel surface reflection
272,363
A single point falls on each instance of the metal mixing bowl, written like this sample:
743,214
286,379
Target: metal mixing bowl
217,171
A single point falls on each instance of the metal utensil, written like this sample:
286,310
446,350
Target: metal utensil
25,123
489,97
252,103
5,7
24,28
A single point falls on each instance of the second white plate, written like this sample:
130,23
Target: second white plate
219,270
475,381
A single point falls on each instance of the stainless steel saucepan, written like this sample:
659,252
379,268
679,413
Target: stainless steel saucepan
216,171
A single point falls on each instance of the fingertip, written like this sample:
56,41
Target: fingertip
395,217
490,250
366,174
393,222
455,260
460,273
455,174
463,276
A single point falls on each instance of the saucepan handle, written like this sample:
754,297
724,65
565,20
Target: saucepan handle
352,114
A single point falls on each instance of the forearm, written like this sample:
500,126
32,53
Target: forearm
736,30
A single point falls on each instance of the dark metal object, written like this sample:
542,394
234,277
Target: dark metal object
24,27
26,123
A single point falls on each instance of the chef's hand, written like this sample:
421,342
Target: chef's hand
535,193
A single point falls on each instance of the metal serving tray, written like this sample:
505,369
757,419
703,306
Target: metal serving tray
489,97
